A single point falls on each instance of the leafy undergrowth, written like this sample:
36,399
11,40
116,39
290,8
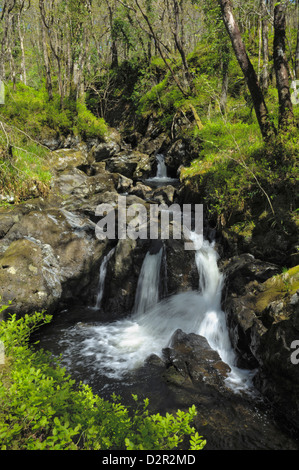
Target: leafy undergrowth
27,120
24,169
41,408
246,185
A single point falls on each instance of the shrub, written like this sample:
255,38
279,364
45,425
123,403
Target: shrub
41,408
87,124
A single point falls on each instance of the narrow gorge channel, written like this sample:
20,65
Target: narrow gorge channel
174,349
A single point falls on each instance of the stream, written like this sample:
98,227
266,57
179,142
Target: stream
108,356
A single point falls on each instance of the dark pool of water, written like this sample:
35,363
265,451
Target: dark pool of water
240,423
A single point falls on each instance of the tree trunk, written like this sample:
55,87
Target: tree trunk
23,62
297,57
265,32
286,116
158,49
224,89
260,107
7,8
49,85
114,51
179,43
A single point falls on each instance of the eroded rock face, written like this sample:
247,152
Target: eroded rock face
84,177
131,164
46,255
262,308
30,276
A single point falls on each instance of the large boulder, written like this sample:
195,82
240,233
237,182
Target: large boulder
30,277
65,159
52,249
242,275
190,358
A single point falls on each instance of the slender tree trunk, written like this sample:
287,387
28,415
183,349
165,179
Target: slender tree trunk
7,8
159,49
179,43
10,43
11,65
260,52
281,68
49,85
260,107
297,57
265,51
114,51
23,61
224,89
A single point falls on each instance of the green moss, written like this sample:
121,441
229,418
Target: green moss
277,288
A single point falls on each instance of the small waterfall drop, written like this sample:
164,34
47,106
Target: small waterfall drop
161,167
102,278
161,177
147,293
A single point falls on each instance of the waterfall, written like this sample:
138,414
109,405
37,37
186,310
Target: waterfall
161,177
123,345
147,293
102,278
161,167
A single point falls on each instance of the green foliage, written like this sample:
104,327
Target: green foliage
33,112
240,179
87,125
27,118
41,408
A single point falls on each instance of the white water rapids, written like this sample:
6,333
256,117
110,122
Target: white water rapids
118,347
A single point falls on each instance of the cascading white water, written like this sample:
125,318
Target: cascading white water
102,277
161,167
161,177
121,346
147,293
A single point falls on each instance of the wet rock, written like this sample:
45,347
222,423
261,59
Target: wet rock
164,195
242,276
152,146
191,373
181,269
122,277
180,153
132,164
191,357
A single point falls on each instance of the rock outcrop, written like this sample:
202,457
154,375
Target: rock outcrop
262,306
49,250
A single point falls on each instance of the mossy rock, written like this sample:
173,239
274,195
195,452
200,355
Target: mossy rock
277,288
